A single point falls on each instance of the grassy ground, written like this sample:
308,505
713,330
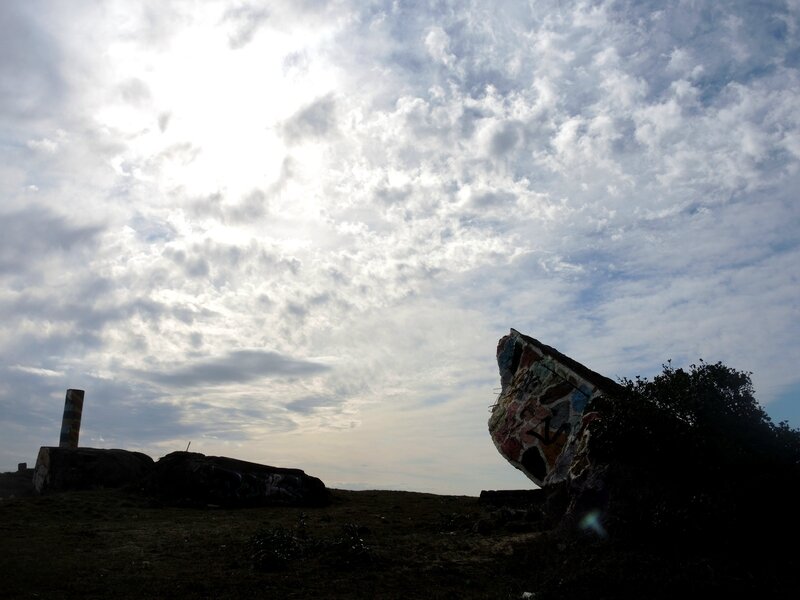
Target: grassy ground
109,543
371,544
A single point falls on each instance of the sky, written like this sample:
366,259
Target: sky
293,232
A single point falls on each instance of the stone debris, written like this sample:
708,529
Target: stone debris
540,422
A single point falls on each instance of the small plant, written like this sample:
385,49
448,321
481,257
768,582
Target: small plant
276,548
449,523
350,547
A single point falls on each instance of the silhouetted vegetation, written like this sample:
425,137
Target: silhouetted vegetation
691,454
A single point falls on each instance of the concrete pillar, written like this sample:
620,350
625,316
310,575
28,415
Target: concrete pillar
71,423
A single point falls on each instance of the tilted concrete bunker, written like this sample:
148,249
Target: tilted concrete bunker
540,420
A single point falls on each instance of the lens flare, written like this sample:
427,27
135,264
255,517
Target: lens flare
591,521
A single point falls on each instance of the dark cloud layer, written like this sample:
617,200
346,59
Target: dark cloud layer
34,233
30,78
114,410
238,366
311,404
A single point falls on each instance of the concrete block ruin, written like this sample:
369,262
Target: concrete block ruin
179,477
67,469
540,422
190,478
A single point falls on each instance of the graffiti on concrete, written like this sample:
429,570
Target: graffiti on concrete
539,421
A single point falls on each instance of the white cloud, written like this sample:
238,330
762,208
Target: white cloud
45,145
385,190
37,371
437,42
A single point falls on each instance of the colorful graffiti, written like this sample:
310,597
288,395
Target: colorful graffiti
539,420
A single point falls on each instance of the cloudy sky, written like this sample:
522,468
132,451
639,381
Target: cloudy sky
293,232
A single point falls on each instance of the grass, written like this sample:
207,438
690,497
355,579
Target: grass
109,543
370,544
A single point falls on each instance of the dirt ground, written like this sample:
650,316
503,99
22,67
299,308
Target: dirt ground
370,544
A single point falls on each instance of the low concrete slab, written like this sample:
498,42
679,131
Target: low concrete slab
62,469
195,479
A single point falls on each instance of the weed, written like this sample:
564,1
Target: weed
277,548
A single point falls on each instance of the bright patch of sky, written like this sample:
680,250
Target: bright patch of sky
293,232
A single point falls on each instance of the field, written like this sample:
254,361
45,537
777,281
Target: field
369,544
108,543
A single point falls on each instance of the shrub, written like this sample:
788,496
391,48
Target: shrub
691,452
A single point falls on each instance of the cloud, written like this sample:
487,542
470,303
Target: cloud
35,234
163,121
37,371
30,75
253,206
317,120
122,415
310,404
135,91
390,187
44,145
437,43
245,21
504,139
236,366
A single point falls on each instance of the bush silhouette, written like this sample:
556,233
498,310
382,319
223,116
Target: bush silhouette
692,453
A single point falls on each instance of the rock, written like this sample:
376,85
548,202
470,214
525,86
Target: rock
540,423
196,479
62,469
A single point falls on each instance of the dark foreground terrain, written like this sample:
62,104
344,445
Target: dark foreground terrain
371,544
